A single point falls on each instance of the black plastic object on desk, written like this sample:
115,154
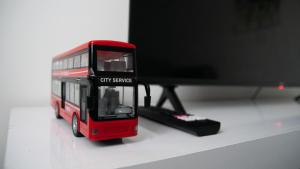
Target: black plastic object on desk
187,122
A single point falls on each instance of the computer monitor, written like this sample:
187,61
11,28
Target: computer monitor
212,42
232,42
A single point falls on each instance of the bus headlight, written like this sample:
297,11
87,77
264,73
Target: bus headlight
95,131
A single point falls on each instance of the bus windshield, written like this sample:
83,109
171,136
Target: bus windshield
114,61
112,102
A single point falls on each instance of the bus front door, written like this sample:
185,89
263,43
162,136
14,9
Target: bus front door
83,103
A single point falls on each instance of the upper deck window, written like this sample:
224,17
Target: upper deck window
70,63
60,63
114,61
84,59
65,64
77,61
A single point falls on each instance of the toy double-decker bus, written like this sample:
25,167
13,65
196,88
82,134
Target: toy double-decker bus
94,88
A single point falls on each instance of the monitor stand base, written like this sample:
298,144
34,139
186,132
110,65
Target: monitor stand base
178,118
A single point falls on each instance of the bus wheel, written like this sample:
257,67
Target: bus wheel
56,109
75,126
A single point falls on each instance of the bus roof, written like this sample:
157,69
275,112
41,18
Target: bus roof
95,42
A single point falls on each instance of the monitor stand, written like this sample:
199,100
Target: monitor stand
178,118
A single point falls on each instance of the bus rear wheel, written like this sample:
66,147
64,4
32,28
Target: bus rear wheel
56,109
75,126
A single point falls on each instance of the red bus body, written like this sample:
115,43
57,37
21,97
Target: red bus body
92,128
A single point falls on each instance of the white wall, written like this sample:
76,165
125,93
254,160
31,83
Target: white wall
33,31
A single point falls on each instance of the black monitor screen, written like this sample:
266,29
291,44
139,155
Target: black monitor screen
231,42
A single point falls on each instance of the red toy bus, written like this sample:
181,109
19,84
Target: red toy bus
94,88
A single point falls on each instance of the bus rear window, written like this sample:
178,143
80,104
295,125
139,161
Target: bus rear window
114,61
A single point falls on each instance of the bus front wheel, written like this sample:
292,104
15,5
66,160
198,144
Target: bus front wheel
75,126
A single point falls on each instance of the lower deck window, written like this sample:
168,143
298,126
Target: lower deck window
115,102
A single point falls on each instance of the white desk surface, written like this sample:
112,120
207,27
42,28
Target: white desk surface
37,140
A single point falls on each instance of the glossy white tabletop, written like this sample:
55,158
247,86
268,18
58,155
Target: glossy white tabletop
37,140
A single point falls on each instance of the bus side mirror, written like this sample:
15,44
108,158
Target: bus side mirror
90,102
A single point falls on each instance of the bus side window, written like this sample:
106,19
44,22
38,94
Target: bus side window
53,86
77,94
59,88
60,65
72,93
77,61
70,63
55,65
68,91
84,60
65,64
